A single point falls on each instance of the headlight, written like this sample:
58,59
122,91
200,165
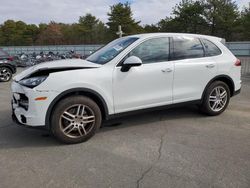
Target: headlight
33,82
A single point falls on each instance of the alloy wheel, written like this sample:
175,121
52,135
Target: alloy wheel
218,98
5,74
77,121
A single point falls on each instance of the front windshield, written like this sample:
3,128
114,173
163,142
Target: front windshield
111,50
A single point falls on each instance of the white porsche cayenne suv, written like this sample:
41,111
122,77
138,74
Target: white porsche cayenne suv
71,98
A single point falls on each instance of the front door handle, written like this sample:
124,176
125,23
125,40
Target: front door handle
167,70
210,66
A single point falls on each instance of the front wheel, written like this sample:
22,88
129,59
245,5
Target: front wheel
75,119
5,74
216,98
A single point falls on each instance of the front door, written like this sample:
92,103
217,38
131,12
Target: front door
148,85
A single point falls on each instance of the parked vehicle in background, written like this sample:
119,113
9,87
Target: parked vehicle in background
7,66
7,69
5,56
26,60
71,98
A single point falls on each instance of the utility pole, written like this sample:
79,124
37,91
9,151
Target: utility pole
119,32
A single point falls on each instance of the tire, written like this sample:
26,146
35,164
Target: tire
5,74
71,124
217,91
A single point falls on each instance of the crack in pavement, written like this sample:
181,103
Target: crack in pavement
153,164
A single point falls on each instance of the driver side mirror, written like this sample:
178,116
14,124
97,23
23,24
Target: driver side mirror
131,61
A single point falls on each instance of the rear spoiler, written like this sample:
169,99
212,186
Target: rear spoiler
223,41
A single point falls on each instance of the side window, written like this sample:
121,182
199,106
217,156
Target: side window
210,48
152,51
187,47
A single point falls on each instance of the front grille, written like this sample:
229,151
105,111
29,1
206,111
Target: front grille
22,102
14,100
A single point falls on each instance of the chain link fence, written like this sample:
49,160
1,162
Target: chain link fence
240,49
79,49
245,66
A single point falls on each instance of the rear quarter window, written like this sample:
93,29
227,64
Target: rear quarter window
210,48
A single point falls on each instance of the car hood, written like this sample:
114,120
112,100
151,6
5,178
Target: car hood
59,65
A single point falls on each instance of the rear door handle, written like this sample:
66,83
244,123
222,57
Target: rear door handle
167,70
210,66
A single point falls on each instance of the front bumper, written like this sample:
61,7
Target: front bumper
29,112
14,118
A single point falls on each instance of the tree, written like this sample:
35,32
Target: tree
92,29
151,28
188,16
221,15
72,33
214,17
170,24
100,33
88,21
17,33
121,14
245,24
52,35
30,34
9,32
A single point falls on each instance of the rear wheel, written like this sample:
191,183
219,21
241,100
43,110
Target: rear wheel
75,119
216,98
5,74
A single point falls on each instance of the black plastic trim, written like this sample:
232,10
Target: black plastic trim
237,92
113,116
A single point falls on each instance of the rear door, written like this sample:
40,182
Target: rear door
193,70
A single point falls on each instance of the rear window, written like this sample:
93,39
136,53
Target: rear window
210,48
187,47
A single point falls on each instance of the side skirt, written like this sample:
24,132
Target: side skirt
114,116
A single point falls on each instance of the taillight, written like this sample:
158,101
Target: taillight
237,63
10,58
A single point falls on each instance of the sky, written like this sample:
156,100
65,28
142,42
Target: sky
68,11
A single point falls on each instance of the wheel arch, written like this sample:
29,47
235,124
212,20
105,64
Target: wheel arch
95,96
224,78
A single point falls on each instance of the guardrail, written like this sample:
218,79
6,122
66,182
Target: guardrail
239,48
245,66
242,51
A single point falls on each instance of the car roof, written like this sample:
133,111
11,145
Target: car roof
149,35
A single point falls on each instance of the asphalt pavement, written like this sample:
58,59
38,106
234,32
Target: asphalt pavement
178,147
